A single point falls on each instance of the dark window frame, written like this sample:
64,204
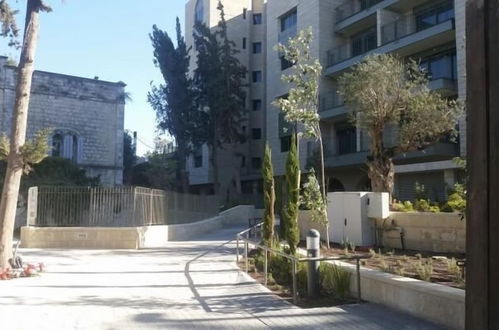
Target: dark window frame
257,18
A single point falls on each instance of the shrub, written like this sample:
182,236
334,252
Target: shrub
301,279
280,268
422,205
334,280
455,203
425,270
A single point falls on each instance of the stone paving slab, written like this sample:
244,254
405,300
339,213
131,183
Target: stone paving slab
188,285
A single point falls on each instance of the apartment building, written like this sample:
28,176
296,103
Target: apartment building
345,31
239,164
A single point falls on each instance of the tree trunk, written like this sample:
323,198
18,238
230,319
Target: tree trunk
14,171
323,186
381,171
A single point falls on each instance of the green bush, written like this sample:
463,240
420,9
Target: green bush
422,205
301,279
280,268
334,280
455,203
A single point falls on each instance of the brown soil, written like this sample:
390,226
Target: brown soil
403,262
286,294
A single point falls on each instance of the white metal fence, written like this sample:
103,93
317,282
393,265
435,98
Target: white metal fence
115,207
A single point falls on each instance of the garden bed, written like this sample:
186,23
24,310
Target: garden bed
441,268
284,291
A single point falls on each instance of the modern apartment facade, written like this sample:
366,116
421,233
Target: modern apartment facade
238,164
345,31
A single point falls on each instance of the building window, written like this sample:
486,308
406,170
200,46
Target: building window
441,66
243,161
67,144
364,42
430,16
57,145
285,64
257,19
199,11
257,47
245,11
347,140
257,76
289,20
285,143
256,163
257,105
244,43
256,133
198,158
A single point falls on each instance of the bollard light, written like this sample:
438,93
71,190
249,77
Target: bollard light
313,251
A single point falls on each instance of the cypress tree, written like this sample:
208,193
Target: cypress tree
293,189
268,197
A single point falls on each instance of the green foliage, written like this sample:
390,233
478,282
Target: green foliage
385,91
302,102
280,268
311,199
32,152
403,207
53,171
293,192
129,157
420,190
8,26
269,197
174,101
455,203
422,205
334,280
157,173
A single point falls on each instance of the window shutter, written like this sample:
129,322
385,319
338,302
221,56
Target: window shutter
67,147
79,158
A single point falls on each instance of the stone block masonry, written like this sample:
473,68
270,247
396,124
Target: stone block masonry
87,115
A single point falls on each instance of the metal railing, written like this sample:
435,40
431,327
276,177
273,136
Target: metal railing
352,7
330,101
244,237
115,207
337,54
405,26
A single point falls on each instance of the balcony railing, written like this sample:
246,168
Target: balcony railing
338,54
287,34
330,101
407,25
352,7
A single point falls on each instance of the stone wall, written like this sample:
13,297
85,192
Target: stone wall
90,109
131,237
436,232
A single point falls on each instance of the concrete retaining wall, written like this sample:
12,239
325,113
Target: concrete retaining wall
130,237
436,232
437,303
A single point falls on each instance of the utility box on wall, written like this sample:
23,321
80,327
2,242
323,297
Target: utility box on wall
351,216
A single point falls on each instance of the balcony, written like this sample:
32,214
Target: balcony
332,108
437,152
352,159
404,41
350,8
287,34
355,15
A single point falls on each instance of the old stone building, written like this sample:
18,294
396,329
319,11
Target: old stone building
86,118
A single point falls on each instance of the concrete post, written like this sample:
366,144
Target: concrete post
313,251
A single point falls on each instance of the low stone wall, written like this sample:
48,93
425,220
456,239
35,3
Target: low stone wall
437,303
130,237
436,232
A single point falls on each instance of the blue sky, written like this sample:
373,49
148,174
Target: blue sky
108,39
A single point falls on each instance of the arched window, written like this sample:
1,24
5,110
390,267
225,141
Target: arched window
57,145
67,144
199,11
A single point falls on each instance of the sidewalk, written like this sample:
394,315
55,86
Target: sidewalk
189,285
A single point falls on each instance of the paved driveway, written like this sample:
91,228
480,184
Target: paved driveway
189,285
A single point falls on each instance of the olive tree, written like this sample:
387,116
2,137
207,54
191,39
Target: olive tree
385,93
